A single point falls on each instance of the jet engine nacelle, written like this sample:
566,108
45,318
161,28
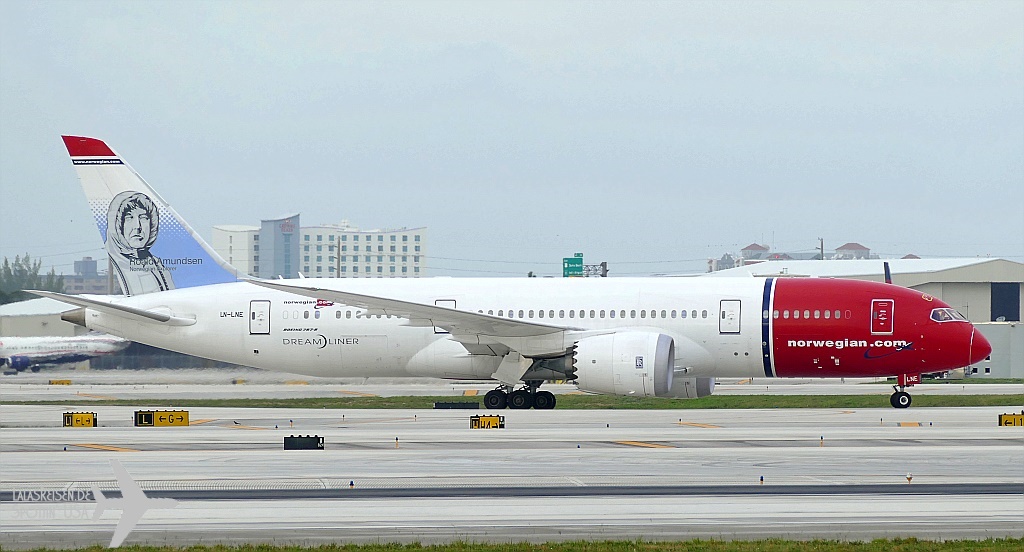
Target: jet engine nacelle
19,363
630,363
690,388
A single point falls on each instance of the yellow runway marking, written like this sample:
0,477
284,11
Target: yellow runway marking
643,444
243,427
103,447
909,424
695,424
296,382
356,393
744,382
470,393
104,397
197,422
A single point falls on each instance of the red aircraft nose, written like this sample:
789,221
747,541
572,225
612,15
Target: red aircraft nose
980,347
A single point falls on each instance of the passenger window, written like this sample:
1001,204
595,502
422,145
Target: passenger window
551,314
540,313
807,314
703,314
348,314
775,314
583,314
673,313
817,314
682,314
602,313
693,313
765,314
295,314
622,314
593,314
531,313
785,314
501,312
848,314
632,314
305,314
611,314
836,315
643,313
561,313
316,315
284,314
572,314
796,315
520,313
664,314
828,314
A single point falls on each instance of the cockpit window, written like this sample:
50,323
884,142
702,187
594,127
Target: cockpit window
947,315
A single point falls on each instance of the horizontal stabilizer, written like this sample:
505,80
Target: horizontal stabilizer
115,309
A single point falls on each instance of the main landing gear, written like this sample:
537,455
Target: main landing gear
520,399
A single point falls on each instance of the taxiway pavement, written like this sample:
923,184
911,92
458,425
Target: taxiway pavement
249,383
424,475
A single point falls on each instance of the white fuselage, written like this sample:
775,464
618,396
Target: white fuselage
245,324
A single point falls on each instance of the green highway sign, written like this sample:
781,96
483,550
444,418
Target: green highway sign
572,266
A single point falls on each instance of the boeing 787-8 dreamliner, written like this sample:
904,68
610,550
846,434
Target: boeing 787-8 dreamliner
641,337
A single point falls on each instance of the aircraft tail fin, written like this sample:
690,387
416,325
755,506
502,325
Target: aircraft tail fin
150,246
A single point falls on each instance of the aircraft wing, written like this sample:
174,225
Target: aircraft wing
469,328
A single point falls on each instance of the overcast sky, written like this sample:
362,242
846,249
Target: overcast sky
649,135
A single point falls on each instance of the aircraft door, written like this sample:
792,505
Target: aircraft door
729,316
448,304
259,317
882,316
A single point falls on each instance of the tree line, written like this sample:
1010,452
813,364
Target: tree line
22,274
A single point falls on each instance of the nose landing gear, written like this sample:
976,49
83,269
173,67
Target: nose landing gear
899,397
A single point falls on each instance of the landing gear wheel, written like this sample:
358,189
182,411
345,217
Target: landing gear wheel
520,400
900,399
495,400
544,400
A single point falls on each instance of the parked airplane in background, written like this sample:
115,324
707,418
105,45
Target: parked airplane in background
19,353
643,337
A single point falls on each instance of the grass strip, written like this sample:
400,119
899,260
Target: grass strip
769,545
572,402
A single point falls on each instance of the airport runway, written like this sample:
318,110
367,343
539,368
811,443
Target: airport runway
549,475
250,383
